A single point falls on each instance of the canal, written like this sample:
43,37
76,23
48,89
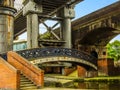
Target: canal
74,83
86,86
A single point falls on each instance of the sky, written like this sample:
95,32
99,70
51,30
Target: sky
88,6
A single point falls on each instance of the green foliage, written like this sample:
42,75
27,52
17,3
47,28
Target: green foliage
46,35
113,50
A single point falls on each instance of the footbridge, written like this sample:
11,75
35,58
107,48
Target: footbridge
44,55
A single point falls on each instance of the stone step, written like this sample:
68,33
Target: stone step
29,87
23,85
24,80
26,84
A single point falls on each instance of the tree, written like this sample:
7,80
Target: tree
113,50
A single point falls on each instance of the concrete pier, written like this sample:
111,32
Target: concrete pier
67,13
31,11
6,25
66,26
32,31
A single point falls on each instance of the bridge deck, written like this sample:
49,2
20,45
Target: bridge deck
111,10
50,7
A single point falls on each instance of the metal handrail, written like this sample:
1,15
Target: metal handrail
47,52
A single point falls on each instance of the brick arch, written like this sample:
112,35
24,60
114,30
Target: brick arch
105,18
98,36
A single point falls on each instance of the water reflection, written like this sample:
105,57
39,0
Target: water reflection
85,85
98,85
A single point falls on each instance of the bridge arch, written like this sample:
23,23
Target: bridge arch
97,28
99,36
43,55
64,59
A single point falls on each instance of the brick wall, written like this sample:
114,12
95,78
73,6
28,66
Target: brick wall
55,70
68,71
9,76
105,67
29,70
81,71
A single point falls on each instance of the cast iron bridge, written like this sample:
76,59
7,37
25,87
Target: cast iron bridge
43,55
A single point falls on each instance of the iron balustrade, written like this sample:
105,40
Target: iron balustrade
47,52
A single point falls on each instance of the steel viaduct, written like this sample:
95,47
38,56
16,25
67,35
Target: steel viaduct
94,30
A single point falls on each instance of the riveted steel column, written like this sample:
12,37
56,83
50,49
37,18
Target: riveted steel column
6,25
31,11
67,13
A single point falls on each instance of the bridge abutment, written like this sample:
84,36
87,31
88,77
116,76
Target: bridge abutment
106,67
102,51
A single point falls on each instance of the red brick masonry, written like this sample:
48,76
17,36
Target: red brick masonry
81,71
69,71
106,66
29,70
9,76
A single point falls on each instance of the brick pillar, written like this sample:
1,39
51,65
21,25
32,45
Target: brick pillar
68,70
81,71
102,52
105,67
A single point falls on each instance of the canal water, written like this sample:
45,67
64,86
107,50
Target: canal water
99,85
89,86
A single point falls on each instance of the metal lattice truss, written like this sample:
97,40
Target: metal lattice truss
50,29
49,8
